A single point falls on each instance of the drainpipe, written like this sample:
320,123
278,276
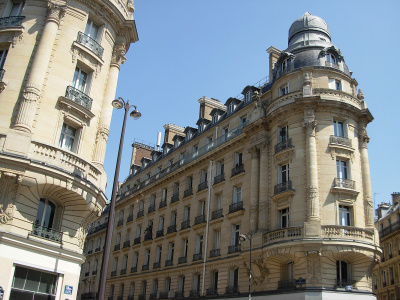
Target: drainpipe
208,223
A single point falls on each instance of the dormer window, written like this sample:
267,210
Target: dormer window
215,118
247,97
284,90
330,58
231,107
188,135
285,65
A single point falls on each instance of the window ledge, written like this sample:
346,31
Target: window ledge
76,107
85,49
344,191
283,195
15,30
284,154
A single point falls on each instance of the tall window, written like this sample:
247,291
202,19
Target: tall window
115,264
161,223
67,137
138,231
330,58
283,90
338,128
237,194
233,278
247,97
45,213
185,247
214,281
135,259
284,217
341,168
196,282
158,254
283,173
217,239
186,213
344,215
343,272
181,284
80,80
199,244
285,65
91,29
146,257
131,290
203,175
219,201
238,159
173,218
171,247
283,134
335,84
125,262
220,167
3,55
16,8
235,235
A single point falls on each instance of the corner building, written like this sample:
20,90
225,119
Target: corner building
59,65
285,163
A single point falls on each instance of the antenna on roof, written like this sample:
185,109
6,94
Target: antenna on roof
158,141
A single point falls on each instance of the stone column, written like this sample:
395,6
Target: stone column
32,91
263,211
118,58
366,177
254,187
311,166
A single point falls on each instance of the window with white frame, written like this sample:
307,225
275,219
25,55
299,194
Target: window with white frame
131,289
186,216
152,200
285,66
195,151
144,287
68,137
231,107
155,287
135,259
118,239
15,8
125,262
3,56
217,239
283,173
46,213
237,194
247,97
343,273
91,29
202,208
115,264
168,285
215,118
338,128
335,84
138,231
214,280
164,194
341,169
344,215
283,134
284,217
158,254
330,58
238,159
243,121
283,90
80,80
181,284
209,142
235,235
199,244
141,205
196,282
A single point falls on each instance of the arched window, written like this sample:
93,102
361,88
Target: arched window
343,273
45,213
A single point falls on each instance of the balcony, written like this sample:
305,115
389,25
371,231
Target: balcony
156,265
182,260
130,218
287,284
90,43
231,290
148,236
340,141
47,233
216,214
215,253
283,145
233,249
202,186
123,272
11,21
87,274
194,294
171,229
126,244
212,292
133,269
87,296
120,222
142,297
78,97
344,183
90,252
98,228
175,198
163,203
185,224
152,208
199,219
169,262
331,65
348,232
179,295
113,273
117,247
94,272
197,256
145,267
188,192
388,230
237,169
136,241
140,213
283,187
97,249
344,282
2,71
234,207
219,178
160,233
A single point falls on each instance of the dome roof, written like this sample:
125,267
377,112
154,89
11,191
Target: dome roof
308,22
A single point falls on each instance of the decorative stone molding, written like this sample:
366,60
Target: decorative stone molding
259,270
9,183
313,266
333,49
56,11
130,6
313,197
307,84
87,57
26,112
360,95
118,56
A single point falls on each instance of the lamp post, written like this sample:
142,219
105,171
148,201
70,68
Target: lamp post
135,114
244,237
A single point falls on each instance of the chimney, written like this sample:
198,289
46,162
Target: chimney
395,198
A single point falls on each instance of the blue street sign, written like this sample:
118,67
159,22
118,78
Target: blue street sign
68,290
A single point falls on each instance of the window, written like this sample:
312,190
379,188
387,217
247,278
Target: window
344,215
185,247
289,271
181,284
171,247
131,290
233,278
96,262
135,259
199,244
237,194
161,223
146,257
285,65
343,273
220,167
341,167
202,208
215,118
80,79
195,151
173,218
158,254
238,159
186,213
384,282
284,217
196,282
45,214
144,287
115,264
168,286
335,84
16,8
138,231
91,29
283,173
189,182
217,239
164,195
214,281
390,251
67,137
141,205
152,200
209,142
155,287
284,90
243,121
283,134
219,201
203,175
338,128
125,262
235,235
3,55
330,58
231,107
247,97
118,239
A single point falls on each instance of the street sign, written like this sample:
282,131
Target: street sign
300,281
68,290
1,293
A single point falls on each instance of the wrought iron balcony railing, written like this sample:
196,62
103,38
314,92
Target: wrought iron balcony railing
145,267
152,208
331,64
11,21
169,262
123,272
231,290
219,178
163,203
117,247
199,219
194,294
283,145
287,284
113,273
136,241
188,192
94,272
182,260
148,236
215,253
90,43
156,265
171,229
97,249
79,97
389,229
237,170
179,295
160,233
216,214
234,249
47,233
211,292
140,213
202,186
126,244
2,71
185,224
130,218
283,187
234,207
340,140
345,183
120,222
142,297
133,269
197,256
175,198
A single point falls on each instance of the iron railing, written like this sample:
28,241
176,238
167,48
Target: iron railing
126,244
120,222
283,187
160,233
123,272
212,292
182,260
79,97
145,267
133,269
90,43
283,145
151,209
171,229
11,21
156,265
185,224
175,198
389,229
117,247
234,207
344,282
237,170
215,253
219,178
194,294
163,203
169,262
287,284
199,219
113,273
216,214
47,233
188,192
234,249
197,256
331,64
231,290
140,213
136,241
202,186
130,218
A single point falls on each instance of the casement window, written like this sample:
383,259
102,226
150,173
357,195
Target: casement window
189,182
215,118
284,217
384,279
330,58
220,167
289,271
341,168
238,159
91,29
181,284
237,194
344,215
173,218
146,257
99,242
115,264
214,280
141,205
80,80
247,97
217,239
3,56
186,216
283,134
45,216
199,244
135,259
202,208
335,84
138,231
185,247
153,200
68,138
118,239
390,251
224,131
144,287
196,282
285,66
155,286
171,247
128,235
161,223
121,215
338,128
231,107
158,254
218,203
283,90
131,290
234,278
195,151
88,267
343,273
209,142
235,235
15,8
125,262
95,265
203,175
242,121
167,285
164,194
283,173
176,188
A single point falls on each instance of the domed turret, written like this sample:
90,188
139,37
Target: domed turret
308,22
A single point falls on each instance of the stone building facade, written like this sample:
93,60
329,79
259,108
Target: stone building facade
59,69
386,275
286,164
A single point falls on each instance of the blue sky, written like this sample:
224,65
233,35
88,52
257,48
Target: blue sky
193,48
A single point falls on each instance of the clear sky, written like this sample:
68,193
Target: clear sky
193,48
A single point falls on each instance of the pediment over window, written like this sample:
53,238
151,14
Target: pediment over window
332,49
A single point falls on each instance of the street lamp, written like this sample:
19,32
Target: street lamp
135,114
243,237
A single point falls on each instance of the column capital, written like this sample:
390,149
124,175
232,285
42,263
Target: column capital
364,138
56,11
254,151
118,56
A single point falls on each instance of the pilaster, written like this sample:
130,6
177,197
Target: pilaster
254,187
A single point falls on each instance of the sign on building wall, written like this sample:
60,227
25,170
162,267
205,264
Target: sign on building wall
68,290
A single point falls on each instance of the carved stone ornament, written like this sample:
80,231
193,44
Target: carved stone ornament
130,6
313,267
259,270
56,11
333,49
360,95
86,59
118,56
8,191
364,138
